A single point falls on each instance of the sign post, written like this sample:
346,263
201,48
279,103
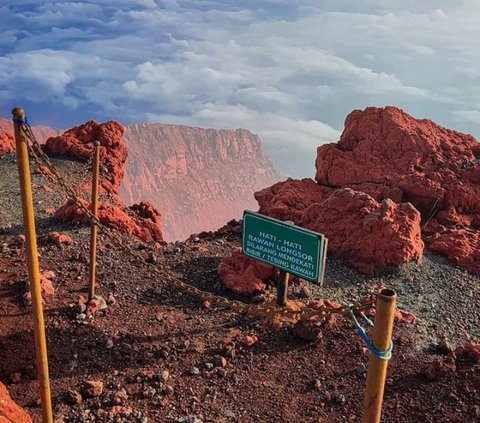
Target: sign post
291,249
282,286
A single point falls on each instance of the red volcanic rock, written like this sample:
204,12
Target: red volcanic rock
46,282
288,200
469,352
388,154
10,412
369,235
461,246
7,143
78,142
151,218
243,274
57,238
199,178
142,222
405,316
394,165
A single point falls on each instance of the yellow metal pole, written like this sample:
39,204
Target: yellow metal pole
377,368
33,267
93,228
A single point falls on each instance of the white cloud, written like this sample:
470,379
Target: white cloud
289,70
472,116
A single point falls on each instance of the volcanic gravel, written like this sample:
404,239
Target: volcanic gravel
163,357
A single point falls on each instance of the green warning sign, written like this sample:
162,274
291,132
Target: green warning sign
285,246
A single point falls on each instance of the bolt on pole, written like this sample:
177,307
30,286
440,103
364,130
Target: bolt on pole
93,228
377,368
33,266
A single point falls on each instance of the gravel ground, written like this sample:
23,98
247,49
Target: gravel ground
212,376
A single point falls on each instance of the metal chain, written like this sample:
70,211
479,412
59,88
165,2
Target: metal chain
41,158
86,172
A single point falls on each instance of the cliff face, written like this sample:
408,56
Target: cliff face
199,178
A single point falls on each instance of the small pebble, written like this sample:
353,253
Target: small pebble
194,371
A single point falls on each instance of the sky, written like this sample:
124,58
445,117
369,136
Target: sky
288,70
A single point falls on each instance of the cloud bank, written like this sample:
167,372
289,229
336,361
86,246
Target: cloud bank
287,70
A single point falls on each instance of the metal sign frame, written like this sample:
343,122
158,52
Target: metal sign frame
320,253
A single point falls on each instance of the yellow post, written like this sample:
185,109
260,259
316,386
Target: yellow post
33,267
377,368
93,228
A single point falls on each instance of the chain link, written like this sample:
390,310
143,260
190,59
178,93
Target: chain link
272,311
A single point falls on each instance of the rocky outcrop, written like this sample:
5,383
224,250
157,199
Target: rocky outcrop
78,143
10,412
388,174
140,220
199,178
369,235
386,153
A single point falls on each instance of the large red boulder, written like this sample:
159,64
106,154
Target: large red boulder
10,412
78,142
288,200
369,235
243,274
142,221
387,153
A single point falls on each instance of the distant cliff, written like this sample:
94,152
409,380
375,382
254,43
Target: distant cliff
198,178
7,141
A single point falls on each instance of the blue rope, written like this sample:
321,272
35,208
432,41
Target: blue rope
382,355
20,121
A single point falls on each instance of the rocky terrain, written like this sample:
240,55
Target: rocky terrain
198,178
390,187
152,353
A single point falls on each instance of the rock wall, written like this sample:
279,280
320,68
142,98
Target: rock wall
199,178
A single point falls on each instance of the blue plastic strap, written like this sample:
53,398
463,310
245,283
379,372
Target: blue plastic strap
382,355
20,121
